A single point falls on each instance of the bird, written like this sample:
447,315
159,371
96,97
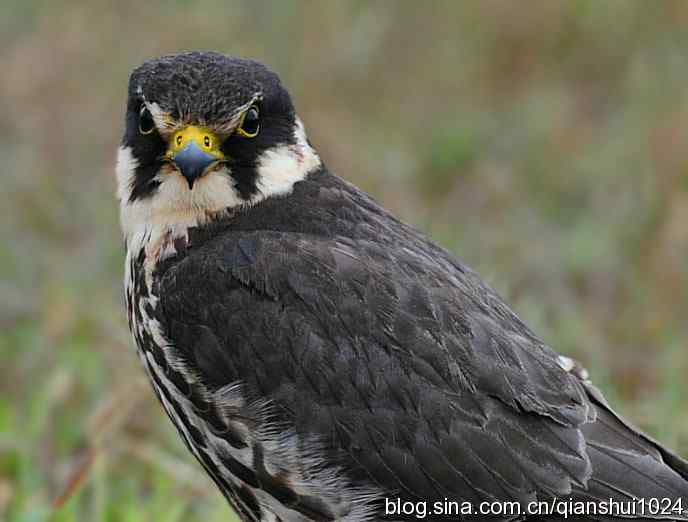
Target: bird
323,360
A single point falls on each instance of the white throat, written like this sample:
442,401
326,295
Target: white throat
156,221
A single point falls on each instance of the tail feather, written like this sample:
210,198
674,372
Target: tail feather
628,465
634,436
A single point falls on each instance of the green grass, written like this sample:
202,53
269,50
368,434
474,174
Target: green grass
72,402
546,146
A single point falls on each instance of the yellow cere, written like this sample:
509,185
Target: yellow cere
204,138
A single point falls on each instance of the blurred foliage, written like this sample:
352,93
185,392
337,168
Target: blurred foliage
544,143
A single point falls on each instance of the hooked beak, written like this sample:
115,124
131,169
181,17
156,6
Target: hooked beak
192,150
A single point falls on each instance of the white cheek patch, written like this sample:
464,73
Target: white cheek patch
130,214
125,171
280,168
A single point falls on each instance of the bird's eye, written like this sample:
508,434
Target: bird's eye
250,123
146,122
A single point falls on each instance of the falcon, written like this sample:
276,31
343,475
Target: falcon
323,360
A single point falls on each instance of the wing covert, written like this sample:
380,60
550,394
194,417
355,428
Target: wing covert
386,359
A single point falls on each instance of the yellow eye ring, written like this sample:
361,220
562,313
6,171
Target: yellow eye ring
249,127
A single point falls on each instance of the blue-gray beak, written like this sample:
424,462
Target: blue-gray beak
192,162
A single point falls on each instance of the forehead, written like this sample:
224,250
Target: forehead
200,85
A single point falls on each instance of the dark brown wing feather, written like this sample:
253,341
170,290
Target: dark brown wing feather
403,361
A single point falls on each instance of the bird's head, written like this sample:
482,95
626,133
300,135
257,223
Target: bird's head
206,133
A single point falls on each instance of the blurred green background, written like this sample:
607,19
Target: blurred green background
546,143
